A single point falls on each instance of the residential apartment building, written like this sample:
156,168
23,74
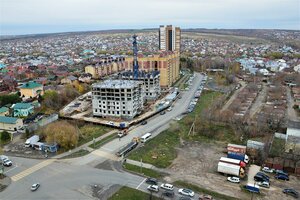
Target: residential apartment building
167,63
169,38
117,98
105,66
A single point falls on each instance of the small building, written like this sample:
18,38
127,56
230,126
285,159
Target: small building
22,109
68,80
4,111
31,89
10,124
292,144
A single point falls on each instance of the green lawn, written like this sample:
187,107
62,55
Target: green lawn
147,172
203,190
90,131
126,193
103,141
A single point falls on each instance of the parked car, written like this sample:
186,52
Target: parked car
151,181
205,197
282,177
291,192
233,179
260,178
167,186
281,172
35,186
7,163
263,184
169,109
162,113
153,188
186,192
185,198
267,169
168,194
144,122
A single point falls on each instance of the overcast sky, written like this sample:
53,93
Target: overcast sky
44,16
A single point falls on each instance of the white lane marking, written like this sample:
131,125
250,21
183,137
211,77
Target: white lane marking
107,149
141,183
11,169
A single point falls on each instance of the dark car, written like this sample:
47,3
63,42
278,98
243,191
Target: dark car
151,181
168,194
163,112
291,192
282,177
263,175
144,122
281,172
259,178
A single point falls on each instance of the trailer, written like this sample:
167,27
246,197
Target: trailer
233,161
236,148
242,157
126,149
32,140
231,169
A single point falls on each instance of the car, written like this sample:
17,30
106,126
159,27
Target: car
152,181
167,186
162,113
7,163
168,194
290,191
282,177
263,175
144,122
260,178
35,186
233,179
186,192
265,184
110,123
281,172
205,197
153,188
267,169
169,109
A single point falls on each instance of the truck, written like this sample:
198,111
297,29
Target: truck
233,161
242,157
126,149
231,169
235,148
123,133
252,188
32,140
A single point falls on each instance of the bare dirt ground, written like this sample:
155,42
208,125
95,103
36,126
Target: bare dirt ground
197,163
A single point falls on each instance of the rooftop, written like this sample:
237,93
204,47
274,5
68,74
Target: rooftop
3,109
8,120
142,74
116,84
31,85
22,105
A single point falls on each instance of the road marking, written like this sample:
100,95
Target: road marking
104,154
141,183
32,169
11,169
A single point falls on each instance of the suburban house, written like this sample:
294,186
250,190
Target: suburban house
292,144
31,89
68,80
22,109
10,123
4,111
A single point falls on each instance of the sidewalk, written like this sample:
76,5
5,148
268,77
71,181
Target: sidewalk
85,146
146,165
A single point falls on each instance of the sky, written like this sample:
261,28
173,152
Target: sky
49,16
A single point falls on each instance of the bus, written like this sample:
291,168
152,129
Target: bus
145,137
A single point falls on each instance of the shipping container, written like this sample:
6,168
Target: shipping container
241,157
236,148
231,169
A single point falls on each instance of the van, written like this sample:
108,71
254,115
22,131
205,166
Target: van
145,137
167,186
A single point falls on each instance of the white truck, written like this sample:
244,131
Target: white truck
231,169
32,140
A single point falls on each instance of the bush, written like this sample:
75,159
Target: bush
5,136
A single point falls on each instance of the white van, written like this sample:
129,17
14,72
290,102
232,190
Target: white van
145,137
167,186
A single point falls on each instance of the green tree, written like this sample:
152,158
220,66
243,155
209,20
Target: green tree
9,99
5,136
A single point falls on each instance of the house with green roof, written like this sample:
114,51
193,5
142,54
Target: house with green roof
31,89
22,109
10,124
4,111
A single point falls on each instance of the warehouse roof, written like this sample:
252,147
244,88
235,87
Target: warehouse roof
8,120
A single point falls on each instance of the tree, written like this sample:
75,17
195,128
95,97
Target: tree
9,99
5,136
63,133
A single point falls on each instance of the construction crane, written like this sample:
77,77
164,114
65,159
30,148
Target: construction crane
135,61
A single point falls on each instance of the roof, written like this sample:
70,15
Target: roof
22,105
31,85
293,132
3,109
116,84
8,120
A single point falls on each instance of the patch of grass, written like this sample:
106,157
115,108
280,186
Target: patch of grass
203,190
90,131
277,148
159,151
148,172
103,141
126,193
81,152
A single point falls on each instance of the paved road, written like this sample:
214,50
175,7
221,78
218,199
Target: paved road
71,178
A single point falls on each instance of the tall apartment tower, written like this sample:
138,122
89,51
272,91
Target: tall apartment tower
169,38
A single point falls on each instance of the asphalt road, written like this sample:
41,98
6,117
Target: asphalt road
73,178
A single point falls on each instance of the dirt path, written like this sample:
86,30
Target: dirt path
291,113
257,105
233,96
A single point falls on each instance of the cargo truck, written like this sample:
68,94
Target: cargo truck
252,188
237,156
126,149
231,169
233,161
32,140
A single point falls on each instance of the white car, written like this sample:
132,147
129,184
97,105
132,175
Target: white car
35,186
167,186
7,163
153,188
263,184
233,179
267,169
186,192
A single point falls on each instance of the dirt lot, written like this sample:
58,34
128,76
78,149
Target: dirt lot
197,163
